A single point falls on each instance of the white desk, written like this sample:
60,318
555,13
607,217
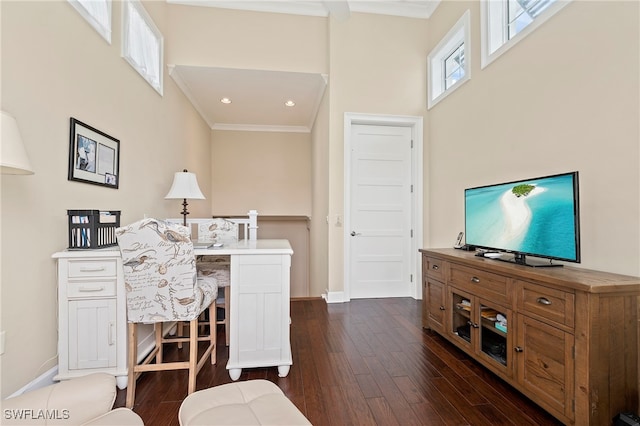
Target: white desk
92,310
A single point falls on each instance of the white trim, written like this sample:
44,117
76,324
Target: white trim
308,8
487,58
417,132
460,32
334,296
45,379
261,128
409,9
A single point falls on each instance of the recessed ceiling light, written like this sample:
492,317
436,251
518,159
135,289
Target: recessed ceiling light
290,103
225,100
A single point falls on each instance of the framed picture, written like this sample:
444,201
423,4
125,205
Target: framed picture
94,156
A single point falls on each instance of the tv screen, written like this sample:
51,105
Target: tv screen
537,217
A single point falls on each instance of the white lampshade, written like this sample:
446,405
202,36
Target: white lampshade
185,185
13,157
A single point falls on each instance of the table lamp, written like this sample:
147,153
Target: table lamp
185,185
13,157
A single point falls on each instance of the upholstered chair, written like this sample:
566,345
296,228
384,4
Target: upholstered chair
218,230
163,286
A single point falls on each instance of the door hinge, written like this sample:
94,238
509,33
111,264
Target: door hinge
412,188
411,143
573,405
573,352
411,233
411,277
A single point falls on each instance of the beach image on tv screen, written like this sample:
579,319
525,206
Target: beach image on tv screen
532,217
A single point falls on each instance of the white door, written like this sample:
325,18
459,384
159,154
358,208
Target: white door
92,334
380,211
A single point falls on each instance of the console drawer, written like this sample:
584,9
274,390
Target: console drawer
434,268
481,283
91,289
546,303
92,268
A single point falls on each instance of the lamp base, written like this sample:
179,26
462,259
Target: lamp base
184,211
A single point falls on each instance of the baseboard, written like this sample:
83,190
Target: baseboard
333,296
45,379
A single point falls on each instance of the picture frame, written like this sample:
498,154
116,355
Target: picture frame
94,156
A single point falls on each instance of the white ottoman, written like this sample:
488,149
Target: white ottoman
254,402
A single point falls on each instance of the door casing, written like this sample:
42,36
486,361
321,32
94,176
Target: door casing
416,125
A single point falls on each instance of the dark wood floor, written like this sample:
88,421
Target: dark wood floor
366,362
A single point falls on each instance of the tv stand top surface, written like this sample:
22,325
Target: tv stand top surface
568,277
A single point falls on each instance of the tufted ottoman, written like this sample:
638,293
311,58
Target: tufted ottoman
254,402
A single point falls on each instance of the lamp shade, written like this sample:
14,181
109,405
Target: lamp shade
13,157
185,185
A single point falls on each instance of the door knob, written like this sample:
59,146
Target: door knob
354,233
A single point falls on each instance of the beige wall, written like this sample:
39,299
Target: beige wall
55,66
318,260
265,171
565,98
263,41
202,36
378,66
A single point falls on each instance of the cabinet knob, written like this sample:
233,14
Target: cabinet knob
435,267
473,324
442,308
518,349
475,280
543,301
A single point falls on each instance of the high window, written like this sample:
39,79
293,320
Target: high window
97,13
448,63
505,22
142,43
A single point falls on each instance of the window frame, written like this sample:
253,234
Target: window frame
125,53
103,28
493,12
459,34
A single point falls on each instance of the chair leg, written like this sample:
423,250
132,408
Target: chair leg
193,354
132,331
158,329
227,312
180,333
213,330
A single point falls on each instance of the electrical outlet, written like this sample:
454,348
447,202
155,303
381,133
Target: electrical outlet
2,333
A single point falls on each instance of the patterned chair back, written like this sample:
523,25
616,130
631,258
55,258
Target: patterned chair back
160,273
218,230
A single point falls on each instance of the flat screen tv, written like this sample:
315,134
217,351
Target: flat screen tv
537,217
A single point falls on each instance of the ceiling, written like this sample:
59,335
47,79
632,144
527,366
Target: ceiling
258,97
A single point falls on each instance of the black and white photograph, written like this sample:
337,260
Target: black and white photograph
94,156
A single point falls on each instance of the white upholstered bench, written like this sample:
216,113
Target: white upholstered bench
253,402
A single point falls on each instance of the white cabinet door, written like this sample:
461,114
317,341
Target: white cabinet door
92,333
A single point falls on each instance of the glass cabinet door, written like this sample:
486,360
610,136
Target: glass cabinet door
483,328
462,312
494,337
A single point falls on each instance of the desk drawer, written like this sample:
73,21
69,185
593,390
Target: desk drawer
91,289
546,303
481,283
92,268
434,268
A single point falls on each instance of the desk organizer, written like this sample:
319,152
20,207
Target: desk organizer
92,229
